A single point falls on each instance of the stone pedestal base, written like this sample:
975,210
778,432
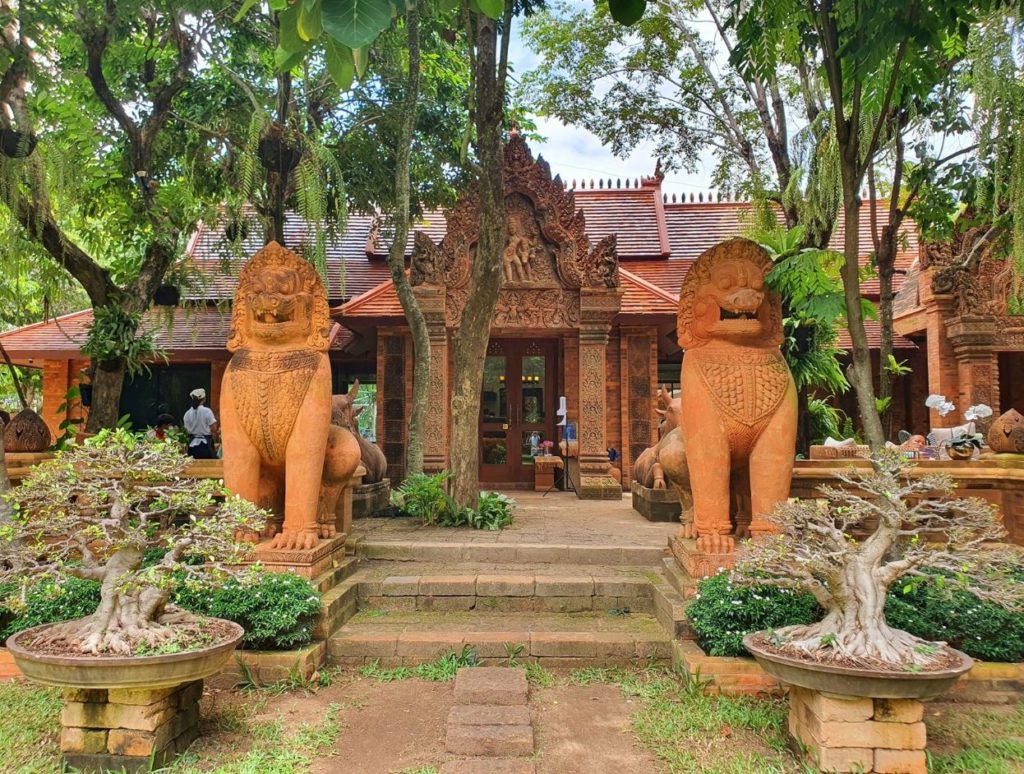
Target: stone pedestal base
599,488
656,504
699,564
846,733
307,563
128,730
367,499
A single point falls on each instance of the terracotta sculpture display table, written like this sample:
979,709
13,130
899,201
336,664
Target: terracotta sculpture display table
544,472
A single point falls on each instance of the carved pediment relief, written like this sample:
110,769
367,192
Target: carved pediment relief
546,243
971,268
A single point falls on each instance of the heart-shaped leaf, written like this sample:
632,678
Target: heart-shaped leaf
340,64
355,23
309,25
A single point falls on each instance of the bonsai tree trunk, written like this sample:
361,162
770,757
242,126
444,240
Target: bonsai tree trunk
855,625
123,617
396,254
485,281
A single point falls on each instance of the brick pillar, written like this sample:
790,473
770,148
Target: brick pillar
392,400
977,363
431,299
943,374
217,368
55,387
597,308
639,385
128,730
848,733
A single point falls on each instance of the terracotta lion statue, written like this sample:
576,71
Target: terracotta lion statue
343,414
738,407
648,470
280,449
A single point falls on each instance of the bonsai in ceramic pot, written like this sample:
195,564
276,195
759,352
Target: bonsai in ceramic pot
118,510
874,528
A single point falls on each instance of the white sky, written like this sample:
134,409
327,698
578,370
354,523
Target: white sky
573,152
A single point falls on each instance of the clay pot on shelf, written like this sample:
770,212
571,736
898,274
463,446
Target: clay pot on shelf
17,145
278,152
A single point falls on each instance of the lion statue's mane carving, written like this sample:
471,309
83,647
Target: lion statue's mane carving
738,407
280,449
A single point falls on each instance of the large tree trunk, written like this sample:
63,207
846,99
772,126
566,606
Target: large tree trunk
885,259
860,372
396,255
485,281
107,382
6,511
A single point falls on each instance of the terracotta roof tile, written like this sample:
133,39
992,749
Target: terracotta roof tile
630,213
189,330
874,331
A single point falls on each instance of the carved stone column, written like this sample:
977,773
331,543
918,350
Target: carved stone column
973,339
597,309
942,369
431,299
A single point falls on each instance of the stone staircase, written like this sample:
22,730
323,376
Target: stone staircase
559,606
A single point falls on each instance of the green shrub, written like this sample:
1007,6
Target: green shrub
49,601
426,498
494,512
980,629
724,613
276,609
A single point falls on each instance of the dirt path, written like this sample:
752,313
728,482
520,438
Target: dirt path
586,730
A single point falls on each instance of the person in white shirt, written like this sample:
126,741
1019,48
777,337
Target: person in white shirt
201,426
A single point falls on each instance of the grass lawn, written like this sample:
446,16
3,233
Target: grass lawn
277,731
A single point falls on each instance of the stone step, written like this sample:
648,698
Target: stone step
330,578
509,552
670,608
491,696
462,590
336,606
505,741
566,640
490,766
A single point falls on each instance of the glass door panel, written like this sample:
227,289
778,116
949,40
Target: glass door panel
494,393
494,419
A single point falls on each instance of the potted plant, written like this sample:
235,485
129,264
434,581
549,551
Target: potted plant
962,445
877,527
119,510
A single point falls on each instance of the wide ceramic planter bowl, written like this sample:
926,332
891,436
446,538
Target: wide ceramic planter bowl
852,681
123,672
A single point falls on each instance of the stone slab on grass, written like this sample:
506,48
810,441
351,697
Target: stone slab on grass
491,685
489,715
489,766
498,741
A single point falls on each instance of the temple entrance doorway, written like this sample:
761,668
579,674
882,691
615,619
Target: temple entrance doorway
517,408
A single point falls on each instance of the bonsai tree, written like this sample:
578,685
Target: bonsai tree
871,531
101,510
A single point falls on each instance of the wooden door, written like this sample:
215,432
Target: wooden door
517,408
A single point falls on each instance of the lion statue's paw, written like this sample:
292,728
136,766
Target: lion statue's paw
291,539
328,531
716,544
686,530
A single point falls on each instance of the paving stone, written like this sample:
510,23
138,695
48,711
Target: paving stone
446,604
489,766
400,586
491,685
504,585
448,585
563,586
489,715
495,741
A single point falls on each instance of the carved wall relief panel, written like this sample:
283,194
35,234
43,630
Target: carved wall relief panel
592,396
393,390
528,258
641,388
522,308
